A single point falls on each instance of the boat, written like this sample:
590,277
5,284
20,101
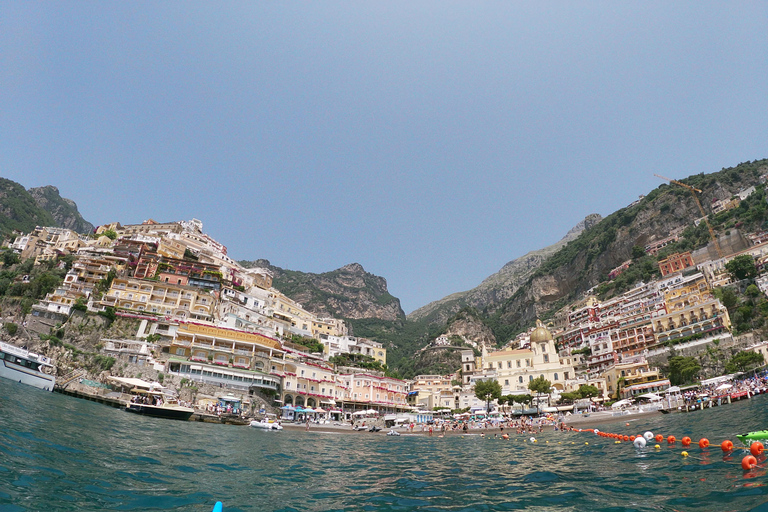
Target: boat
159,403
26,367
393,433
758,435
266,424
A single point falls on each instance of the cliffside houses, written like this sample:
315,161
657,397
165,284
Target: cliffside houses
215,321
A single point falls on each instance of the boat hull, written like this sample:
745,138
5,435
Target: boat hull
171,413
19,373
266,426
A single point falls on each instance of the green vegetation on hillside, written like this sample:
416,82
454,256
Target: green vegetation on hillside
20,210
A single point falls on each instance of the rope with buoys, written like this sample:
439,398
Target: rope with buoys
641,441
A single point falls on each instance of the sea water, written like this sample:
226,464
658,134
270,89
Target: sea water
59,453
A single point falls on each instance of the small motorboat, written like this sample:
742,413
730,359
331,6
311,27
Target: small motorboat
266,424
375,429
393,433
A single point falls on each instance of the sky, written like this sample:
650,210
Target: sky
430,141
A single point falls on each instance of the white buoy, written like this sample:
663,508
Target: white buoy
639,442
533,439
648,435
597,432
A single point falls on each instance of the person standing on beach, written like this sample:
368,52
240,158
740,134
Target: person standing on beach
307,429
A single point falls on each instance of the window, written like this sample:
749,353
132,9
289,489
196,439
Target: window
520,379
499,364
530,378
518,363
506,382
546,358
556,377
509,364
565,375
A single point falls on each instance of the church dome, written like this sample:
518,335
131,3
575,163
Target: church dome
540,333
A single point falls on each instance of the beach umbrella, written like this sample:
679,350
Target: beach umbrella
621,403
721,387
371,411
653,397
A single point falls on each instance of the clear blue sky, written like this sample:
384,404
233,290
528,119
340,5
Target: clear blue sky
431,142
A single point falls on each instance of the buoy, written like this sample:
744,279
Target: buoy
597,432
671,439
726,446
626,424
639,442
625,438
686,441
703,443
617,442
684,454
657,447
648,435
533,439
748,462
659,438
632,438
586,443
756,448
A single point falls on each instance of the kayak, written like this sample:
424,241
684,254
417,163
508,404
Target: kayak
218,507
758,435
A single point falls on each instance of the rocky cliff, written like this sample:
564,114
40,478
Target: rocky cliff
18,209
585,262
489,295
22,209
348,292
64,211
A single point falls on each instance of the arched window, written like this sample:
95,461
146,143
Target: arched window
556,377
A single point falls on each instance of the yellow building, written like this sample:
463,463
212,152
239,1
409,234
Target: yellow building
147,296
633,377
516,368
226,347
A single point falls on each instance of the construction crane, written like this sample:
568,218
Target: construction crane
694,191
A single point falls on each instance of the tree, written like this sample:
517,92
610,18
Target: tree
637,252
743,361
541,386
110,233
728,297
488,390
683,369
587,391
742,267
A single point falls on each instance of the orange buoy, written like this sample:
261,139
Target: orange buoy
671,439
686,441
703,443
632,438
748,462
756,448
626,438
726,446
659,438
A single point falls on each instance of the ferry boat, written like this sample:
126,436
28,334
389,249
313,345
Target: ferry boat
158,403
26,367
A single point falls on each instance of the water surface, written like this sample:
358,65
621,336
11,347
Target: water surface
59,453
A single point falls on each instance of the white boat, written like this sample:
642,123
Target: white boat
156,402
26,367
266,424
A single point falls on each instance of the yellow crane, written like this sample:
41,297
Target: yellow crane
694,191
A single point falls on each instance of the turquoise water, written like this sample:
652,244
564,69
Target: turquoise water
58,453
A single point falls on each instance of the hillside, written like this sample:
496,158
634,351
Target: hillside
496,289
586,261
18,209
64,211
23,209
348,292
